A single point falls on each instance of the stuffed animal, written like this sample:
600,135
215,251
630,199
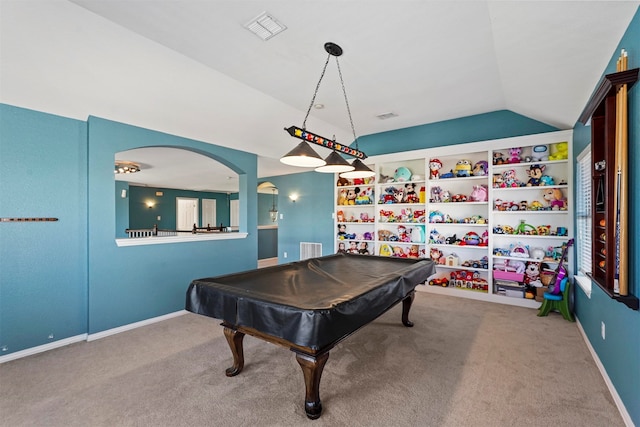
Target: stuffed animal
436,255
463,168
402,174
535,175
434,168
498,158
410,195
342,182
413,252
352,193
509,179
342,197
514,155
479,193
555,198
342,231
559,151
481,168
540,153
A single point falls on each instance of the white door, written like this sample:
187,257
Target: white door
208,212
235,213
186,213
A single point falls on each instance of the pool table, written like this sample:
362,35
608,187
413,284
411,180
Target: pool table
307,306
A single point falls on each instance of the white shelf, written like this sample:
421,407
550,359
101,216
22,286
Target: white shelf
476,153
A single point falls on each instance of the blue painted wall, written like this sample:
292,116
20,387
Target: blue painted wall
43,265
309,219
480,127
130,284
141,216
620,352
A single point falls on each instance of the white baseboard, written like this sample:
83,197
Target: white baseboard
130,326
87,337
42,348
614,393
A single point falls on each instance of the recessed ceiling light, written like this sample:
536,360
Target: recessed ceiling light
265,26
385,116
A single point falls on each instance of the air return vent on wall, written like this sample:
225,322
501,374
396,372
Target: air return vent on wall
310,250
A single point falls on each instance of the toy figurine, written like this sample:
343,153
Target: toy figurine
341,248
434,168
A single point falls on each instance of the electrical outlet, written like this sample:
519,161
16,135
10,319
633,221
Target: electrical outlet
602,330
281,216
159,218
284,255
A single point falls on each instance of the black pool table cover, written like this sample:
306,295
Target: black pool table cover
312,303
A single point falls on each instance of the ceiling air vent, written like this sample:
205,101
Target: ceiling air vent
265,26
385,116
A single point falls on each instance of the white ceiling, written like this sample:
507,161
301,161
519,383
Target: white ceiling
190,68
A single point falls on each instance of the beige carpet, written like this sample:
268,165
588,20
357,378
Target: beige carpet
464,363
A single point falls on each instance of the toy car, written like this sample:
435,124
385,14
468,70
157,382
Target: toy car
439,281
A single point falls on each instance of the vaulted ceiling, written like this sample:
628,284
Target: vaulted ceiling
191,68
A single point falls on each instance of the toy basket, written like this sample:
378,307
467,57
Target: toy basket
546,277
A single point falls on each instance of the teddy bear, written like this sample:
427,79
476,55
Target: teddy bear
385,235
342,182
413,252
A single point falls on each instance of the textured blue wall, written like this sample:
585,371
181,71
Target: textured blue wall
43,265
620,352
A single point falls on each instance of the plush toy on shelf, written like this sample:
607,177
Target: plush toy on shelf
410,195
535,173
479,193
352,193
514,155
559,151
463,168
555,198
402,174
434,168
481,168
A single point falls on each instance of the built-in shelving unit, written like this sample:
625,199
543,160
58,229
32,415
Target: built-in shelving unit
467,207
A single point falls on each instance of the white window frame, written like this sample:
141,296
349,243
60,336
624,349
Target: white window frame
584,214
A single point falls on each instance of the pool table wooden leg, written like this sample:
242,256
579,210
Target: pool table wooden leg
312,367
406,306
234,338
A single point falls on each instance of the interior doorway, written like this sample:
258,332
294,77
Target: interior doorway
186,213
209,212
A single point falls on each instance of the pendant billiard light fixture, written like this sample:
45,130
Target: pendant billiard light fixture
304,156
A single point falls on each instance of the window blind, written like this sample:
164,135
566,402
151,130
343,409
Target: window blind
583,211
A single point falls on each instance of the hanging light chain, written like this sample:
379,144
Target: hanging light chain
344,91
313,99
